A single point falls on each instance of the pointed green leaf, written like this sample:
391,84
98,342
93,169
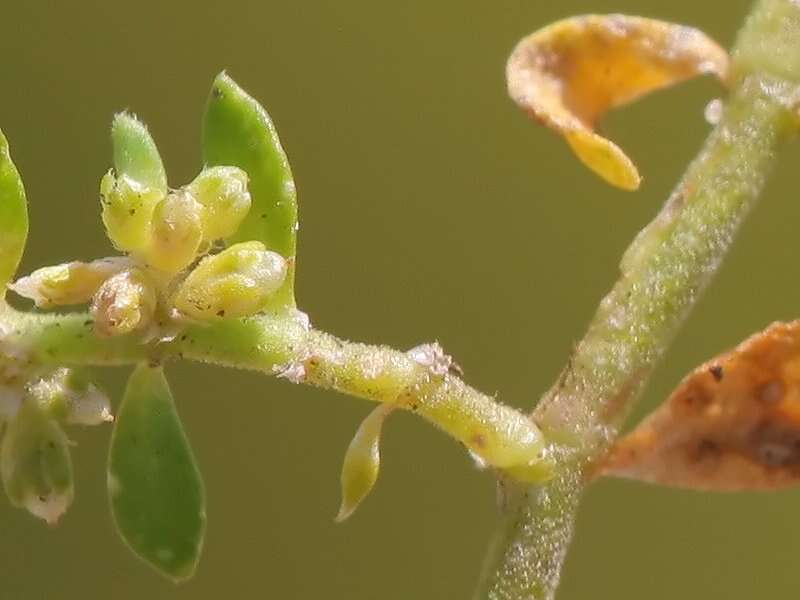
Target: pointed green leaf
238,132
156,492
13,217
135,153
362,461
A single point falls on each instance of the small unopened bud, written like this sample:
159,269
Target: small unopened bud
35,463
237,282
124,303
127,210
68,396
70,283
175,233
223,192
362,462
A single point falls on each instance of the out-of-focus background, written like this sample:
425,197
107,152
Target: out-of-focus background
430,209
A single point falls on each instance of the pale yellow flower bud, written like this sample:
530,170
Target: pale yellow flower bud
124,303
127,209
223,193
35,463
234,283
70,283
176,232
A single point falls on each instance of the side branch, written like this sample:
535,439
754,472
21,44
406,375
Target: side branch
418,380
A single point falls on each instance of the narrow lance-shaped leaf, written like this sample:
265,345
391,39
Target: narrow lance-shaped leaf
156,492
568,74
362,461
237,131
13,217
732,424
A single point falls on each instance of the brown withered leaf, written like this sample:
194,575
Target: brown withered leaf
732,424
568,74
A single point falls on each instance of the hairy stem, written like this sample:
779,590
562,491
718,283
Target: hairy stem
284,345
663,273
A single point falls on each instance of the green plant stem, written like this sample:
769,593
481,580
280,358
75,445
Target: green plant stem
283,345
663,273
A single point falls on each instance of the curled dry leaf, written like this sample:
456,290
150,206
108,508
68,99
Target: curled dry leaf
568,74
732,424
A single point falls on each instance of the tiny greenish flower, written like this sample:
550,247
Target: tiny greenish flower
237,282
68,396
124,303
223,192
35,463
127,210
69,283
176,232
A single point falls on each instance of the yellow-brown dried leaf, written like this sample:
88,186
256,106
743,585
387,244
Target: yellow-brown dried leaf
568,74
732,424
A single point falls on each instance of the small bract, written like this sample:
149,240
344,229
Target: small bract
362,461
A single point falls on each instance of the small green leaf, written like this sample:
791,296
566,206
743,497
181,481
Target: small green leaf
135,153
13,217
156,492
237,131
362,461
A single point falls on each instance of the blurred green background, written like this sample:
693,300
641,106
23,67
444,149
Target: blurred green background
430,209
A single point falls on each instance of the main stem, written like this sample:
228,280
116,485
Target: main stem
663,273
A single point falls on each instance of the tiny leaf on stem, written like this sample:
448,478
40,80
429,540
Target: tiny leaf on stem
362,461
157,495
13,217
237,131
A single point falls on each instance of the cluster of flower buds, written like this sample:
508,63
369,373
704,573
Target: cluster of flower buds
167,235
35,460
